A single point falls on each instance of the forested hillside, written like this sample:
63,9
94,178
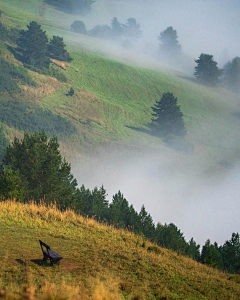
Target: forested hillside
65,93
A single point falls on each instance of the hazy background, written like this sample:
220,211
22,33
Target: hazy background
203,26
199,196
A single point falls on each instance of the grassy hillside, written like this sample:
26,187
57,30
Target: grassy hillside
111,95
99,262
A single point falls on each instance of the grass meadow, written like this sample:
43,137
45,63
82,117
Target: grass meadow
99,261
111,96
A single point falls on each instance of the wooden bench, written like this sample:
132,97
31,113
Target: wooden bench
53,256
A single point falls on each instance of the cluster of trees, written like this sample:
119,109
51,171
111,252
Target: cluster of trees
36,49
206,70
30,118
72,6
131,29
34,169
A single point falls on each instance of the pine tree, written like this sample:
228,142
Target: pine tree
132,28
232,74
148,227
117,29
33,45
169,43
206,70
167,119
211,256
231,254
170,237
56,49
119,210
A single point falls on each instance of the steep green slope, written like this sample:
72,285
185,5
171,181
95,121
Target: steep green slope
99,262
111,95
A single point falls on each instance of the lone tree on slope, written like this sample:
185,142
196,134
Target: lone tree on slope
169,43
79,27
207,70
167,117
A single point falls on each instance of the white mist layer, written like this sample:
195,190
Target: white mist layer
203,26
175,188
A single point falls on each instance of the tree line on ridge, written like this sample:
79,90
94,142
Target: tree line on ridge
33,168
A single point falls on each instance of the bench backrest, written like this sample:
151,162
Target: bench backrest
43,244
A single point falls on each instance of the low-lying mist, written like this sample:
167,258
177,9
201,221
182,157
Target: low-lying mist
200,197
210,27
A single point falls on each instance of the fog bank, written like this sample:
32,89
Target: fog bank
202,200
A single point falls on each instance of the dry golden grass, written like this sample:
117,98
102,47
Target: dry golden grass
99,262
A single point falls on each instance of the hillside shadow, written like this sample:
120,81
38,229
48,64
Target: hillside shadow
40,262
173,142
143,130
15,53
191,79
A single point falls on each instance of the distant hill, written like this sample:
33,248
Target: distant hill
112,100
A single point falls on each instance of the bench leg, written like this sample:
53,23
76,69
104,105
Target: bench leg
45,257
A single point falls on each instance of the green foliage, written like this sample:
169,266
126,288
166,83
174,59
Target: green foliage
148,227
169,44
170,237
56,49
29,118
3,143
76,6
33,45
10,75
10,184
167,119
211,255
206,70
193,250
232,74
231,254
79,27
43,172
